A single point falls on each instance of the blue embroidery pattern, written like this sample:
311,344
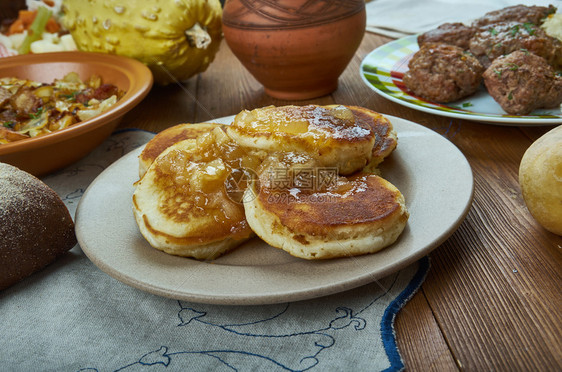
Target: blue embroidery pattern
250,338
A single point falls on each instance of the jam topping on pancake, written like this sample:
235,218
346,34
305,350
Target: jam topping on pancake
321,122
187,184
323,204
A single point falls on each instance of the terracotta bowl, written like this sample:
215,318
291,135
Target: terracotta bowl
45,154
295,49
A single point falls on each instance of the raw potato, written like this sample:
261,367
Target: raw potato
540,178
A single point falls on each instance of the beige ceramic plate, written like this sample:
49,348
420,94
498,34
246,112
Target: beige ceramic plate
431,172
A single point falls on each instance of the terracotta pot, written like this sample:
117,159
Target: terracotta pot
296,48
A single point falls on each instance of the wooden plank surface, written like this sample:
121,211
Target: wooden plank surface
492,298
420,340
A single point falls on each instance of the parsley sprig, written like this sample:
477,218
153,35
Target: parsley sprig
37,113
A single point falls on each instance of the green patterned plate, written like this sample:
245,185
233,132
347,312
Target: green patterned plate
383,68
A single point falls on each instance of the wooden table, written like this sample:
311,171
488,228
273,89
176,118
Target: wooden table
492,299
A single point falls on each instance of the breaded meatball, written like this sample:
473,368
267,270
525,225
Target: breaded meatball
522,82
520,13
443,73
492,41
448,33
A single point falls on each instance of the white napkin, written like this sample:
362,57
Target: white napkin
71,316
398,18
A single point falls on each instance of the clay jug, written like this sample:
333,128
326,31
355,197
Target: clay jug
296,49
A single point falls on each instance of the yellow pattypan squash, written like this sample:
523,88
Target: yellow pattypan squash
176,39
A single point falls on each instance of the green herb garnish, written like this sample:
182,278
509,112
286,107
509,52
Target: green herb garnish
467,104
529,27
37,113
514,30
493,31
71,96
496,46
512,66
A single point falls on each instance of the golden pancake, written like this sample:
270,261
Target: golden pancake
184,204
385,136
168,137
193,197
323,215
333,135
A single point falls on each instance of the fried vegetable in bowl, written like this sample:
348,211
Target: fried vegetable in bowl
31,109
46,153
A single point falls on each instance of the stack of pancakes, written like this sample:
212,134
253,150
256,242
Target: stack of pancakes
302,178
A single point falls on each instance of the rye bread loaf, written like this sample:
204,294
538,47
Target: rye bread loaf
35,225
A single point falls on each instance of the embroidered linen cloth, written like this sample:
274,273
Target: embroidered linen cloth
71,316
398,18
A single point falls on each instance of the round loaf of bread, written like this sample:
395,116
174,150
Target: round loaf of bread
36,226
540,178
